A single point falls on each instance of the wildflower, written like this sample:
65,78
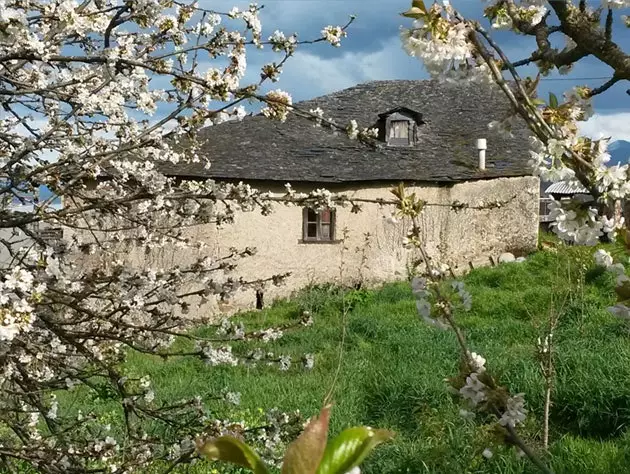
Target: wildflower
309,361
543,345
233,397
54,406
270,334
285,363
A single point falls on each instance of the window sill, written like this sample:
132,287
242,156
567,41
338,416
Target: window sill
324,242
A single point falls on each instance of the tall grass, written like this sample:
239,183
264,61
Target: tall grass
393,368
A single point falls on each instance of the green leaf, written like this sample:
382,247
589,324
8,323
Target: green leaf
538,102
419,4
553,100
417,10
229,449
350,448
304,454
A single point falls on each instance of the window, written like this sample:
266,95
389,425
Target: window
319,226
399,133
399,129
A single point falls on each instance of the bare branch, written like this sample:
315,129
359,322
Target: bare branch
609,24
580,28
604,87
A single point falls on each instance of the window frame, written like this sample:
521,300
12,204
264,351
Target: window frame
399,126
390,126
319,223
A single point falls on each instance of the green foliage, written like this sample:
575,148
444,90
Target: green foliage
309,453
232,450
305,453
350,448
393,368
354,298
326,298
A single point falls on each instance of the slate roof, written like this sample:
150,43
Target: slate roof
454,117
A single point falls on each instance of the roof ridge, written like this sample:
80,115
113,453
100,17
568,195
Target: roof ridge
360,85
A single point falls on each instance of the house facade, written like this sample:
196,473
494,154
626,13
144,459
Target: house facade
481,198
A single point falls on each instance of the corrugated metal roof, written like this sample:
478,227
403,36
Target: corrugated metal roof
562,187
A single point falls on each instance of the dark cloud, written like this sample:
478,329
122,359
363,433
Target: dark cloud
373,50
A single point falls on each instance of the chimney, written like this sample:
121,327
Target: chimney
481,148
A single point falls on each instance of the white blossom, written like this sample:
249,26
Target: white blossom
278,105
478,362
515,411
233,397
474,390
309,361
353,130
616,3
603,258
333,35
285,362
578,224
219,356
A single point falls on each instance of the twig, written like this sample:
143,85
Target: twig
604,87
528,452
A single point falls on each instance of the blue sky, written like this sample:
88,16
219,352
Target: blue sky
373,51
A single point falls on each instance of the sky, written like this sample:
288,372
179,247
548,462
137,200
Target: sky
373,51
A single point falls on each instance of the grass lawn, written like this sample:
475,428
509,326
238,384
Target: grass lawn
393,368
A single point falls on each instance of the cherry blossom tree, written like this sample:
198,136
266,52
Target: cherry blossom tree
454,48
96,95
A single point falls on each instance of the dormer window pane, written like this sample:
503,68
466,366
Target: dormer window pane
399,129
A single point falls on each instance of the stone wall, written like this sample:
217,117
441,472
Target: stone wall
453,237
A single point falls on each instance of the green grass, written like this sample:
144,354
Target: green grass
393,368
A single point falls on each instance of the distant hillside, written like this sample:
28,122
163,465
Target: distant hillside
619,152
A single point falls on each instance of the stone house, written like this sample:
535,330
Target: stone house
429,138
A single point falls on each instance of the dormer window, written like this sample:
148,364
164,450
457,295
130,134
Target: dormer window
399,127
399,132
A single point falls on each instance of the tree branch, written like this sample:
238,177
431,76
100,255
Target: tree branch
589,37
113,24
604,87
